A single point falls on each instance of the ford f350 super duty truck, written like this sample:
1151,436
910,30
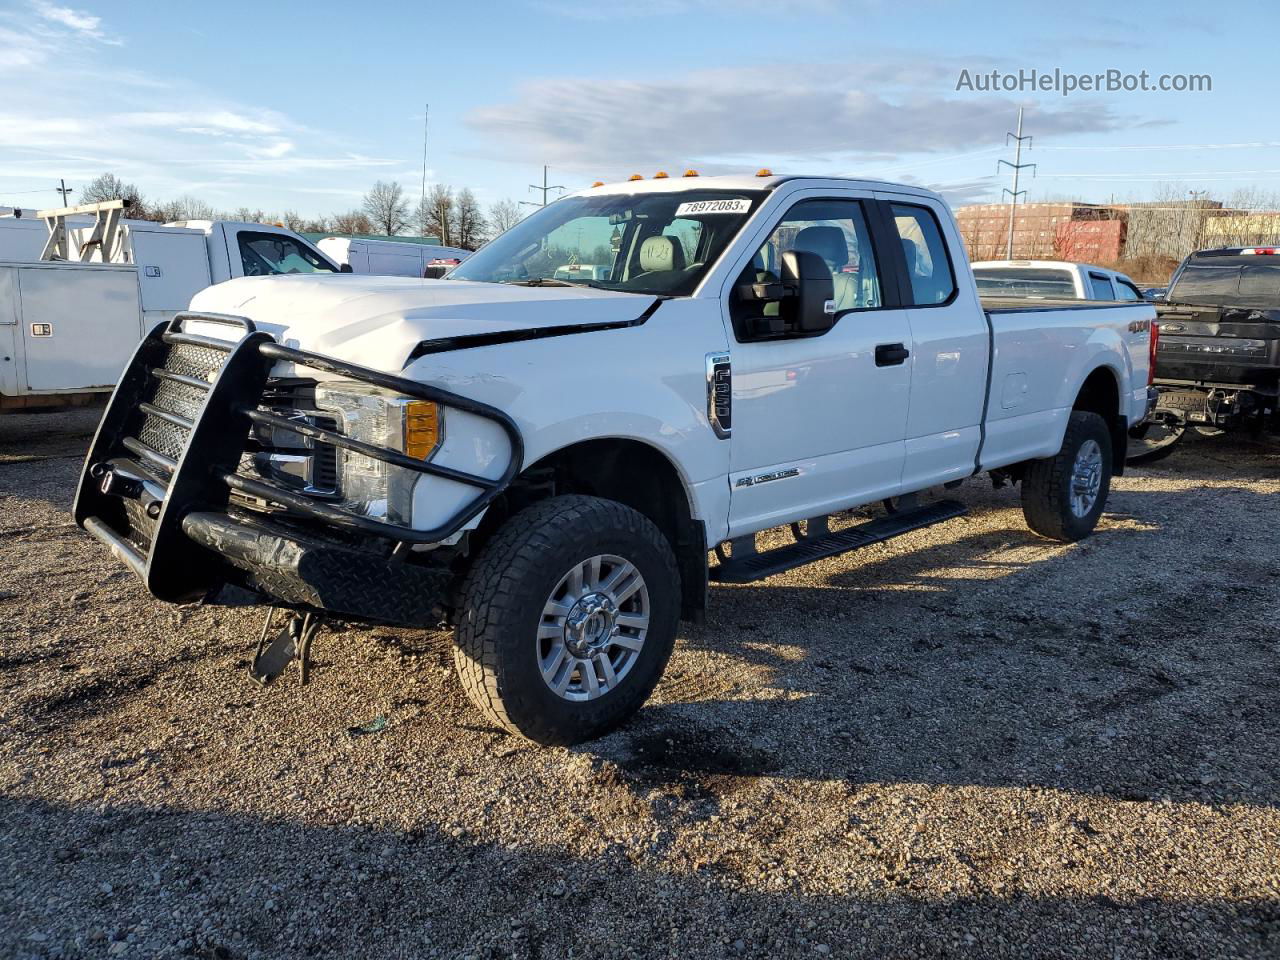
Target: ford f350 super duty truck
548,464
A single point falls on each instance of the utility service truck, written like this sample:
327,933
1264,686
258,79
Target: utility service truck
71,316
559,467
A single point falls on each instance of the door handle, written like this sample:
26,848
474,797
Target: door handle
891,354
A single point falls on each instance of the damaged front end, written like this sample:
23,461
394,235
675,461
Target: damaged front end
207,471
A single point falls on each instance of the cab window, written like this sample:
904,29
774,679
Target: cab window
265,254
1127,291
928,265
835,230
1100,287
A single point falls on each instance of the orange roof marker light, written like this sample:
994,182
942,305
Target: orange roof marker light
598,183
660,175
635,176
691,173
764,172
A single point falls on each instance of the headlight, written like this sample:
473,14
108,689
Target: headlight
370,487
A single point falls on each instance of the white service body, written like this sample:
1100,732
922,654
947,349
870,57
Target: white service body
69,327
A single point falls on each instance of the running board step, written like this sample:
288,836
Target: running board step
757,566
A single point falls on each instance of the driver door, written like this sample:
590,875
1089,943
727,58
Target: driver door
819,419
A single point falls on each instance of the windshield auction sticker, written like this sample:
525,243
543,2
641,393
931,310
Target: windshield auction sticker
696,207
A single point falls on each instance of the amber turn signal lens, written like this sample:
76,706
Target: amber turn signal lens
421,428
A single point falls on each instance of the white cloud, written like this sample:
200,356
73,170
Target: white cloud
815,114
80,21
75,19
169,136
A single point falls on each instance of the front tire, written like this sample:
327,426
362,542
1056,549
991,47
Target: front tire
568,619
1064,495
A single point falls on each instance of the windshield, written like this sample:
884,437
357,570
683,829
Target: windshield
1246,281
654,243
1031,282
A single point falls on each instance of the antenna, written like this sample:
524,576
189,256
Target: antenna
1017,167
422,203
544,188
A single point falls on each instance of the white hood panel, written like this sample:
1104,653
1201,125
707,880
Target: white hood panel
377,321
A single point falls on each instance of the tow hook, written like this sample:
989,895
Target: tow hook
292,642
113,483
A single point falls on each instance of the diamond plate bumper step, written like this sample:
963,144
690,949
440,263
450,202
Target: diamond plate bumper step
757,566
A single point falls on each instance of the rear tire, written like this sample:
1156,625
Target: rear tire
568,619
1064,495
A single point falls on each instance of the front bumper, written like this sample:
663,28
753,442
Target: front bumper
158,483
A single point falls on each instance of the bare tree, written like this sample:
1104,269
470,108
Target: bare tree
314,225
468,220
185,207
353,221
109,187
503,215
250,216
387,207
437,214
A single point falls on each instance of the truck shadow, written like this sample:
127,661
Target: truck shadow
960,663
215,884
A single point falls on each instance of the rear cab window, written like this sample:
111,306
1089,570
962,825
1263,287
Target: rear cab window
1036,283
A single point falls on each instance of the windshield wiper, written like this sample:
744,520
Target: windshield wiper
540,282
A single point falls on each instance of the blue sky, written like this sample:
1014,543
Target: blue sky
294,105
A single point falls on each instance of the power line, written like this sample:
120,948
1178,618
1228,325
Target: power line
1017,167
545,188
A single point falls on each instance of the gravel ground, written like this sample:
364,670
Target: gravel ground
966,742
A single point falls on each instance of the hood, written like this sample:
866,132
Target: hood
378,321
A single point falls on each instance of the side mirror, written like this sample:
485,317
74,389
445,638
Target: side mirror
345,268
812,305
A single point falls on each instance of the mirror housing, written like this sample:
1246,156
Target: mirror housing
345,268
812,302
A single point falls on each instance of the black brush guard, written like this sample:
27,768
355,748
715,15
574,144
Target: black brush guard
157,484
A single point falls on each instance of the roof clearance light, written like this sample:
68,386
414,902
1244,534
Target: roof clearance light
598,183
691,173
635,176
764,172
660,175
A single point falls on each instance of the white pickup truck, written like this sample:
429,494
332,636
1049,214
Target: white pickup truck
86,285
1052,279
548,464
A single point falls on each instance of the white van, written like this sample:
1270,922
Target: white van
390,258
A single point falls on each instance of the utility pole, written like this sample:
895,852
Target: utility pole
545,188
63,189
1017,167
422,203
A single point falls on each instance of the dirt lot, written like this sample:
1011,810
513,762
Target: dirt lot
967,742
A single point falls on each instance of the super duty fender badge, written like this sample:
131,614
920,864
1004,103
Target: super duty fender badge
768,477
720,394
